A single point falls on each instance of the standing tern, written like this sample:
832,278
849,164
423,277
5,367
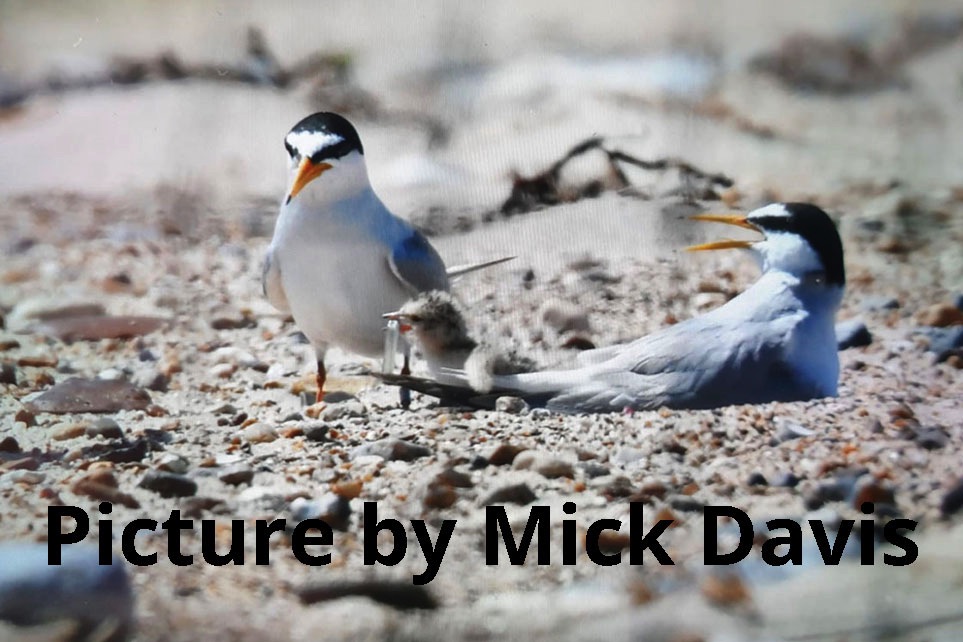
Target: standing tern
438,326
339,258
774,342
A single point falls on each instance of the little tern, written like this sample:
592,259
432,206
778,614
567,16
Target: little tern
438,325
339,259
773,342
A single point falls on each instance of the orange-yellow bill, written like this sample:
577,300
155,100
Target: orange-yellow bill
726,244
739,220
307,172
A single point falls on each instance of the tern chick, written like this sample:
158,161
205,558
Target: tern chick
437,323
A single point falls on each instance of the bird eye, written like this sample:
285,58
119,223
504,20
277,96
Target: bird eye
414,318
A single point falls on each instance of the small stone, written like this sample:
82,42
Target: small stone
592,469
26,477
89,395
236,475
317,432
332,509
649,491
348,489
68,431
785,480
852,333
931,438
22,463
105,427
564,317
725,589
391,449
9,445
223,370
685,503
544,464
46,308
111,374
350,409
940,315
504,454
8,373
439,496
172,463
511,405
101,485
78,589
953,499
259,433
25,417
757,479
454,478
944,342
877,303
869,489
511,494
168,484
96,327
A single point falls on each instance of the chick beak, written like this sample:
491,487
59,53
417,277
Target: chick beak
739,220
308,170
400,318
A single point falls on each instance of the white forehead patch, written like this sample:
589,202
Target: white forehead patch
774,209
309,143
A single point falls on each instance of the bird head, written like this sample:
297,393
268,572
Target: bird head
435,319
798,238
326,158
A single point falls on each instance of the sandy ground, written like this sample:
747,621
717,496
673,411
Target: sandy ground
158,199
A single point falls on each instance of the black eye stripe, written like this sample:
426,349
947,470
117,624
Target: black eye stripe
815,226
291,151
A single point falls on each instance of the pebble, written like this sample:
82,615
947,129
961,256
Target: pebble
877,303
79,589
261,499
504,454
28,477
236,356
236,475
944,342
511,405
940,315
785,480
787,430
168,484
47,308
102,485
439,495
869,489
9,445
931,438
68,431
953,499
105,427
391,449
545,464
592,469
349,409
330,508
259,433
89,395
564,317
511,494
8,373
852,333
172,463
223,370
397,594
317,432
97,327
757,479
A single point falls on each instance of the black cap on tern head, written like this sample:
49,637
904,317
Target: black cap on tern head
323,136
814,226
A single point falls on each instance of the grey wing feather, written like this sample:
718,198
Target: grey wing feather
271,284
418,265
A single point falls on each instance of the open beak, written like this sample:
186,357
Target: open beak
739,220
400,318
308,170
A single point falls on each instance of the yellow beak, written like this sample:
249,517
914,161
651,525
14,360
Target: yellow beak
307,172
739,220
